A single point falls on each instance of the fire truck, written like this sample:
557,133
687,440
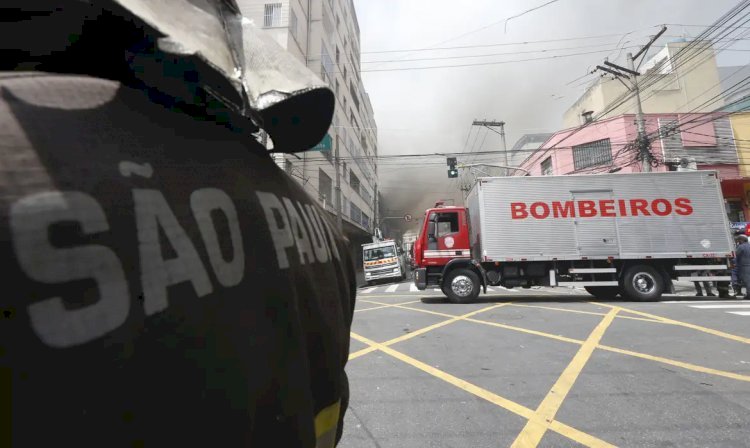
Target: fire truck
613,234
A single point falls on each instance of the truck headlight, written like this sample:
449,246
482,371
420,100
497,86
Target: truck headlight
395,269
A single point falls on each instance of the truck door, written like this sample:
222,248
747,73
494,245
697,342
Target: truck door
596,235
450,239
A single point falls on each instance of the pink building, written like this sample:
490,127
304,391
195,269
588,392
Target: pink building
610,146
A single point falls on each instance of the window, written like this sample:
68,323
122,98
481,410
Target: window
292,22
547,166
324,186
338,54
354,181
272,14
353,92
337,88
734,210
365,221
592,154
447,223
355,213
326,64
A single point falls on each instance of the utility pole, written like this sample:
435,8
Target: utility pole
620,73
643,145
336,163
501,125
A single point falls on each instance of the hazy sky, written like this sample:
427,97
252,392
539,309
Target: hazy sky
426,111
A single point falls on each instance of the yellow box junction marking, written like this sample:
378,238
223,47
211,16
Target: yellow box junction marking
534,430
671,362
542,419
518,409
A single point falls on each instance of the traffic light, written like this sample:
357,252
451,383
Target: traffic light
452,170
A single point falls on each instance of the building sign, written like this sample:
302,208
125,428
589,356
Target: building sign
325,145
738,226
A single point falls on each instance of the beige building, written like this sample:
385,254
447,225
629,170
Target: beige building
324,34
684,84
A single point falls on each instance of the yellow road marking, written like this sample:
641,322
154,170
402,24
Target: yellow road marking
683,324
416,333
359,353
381,306
592,313
672,362
493,398
534,430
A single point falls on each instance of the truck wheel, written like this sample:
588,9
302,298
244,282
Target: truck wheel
643,283
603,292
461,286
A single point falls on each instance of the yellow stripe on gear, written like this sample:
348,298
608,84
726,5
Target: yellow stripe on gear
325,426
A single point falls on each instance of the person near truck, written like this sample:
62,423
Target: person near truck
742,261
706,285
166,284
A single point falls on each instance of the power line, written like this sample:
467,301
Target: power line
483,63
543,50
500,44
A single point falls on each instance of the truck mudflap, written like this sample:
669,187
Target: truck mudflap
482,272
420,279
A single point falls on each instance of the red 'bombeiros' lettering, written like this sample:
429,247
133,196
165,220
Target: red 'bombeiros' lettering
518,210
565,209
608,208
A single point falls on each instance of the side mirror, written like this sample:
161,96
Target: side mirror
431,230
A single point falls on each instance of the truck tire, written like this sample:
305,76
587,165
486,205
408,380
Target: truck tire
461,286
603,292
643,283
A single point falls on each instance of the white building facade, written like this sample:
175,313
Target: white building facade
324,34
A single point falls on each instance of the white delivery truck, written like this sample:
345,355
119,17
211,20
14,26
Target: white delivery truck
382,260
626,234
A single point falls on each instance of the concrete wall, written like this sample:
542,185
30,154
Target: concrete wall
688,83
741,127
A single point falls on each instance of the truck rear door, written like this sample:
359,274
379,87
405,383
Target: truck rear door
596,236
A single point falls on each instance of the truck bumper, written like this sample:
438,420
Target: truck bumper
377,276
420,278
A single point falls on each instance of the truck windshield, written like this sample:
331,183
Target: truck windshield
379,253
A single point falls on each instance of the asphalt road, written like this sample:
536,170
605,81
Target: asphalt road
549,368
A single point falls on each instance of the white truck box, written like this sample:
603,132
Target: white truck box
531,218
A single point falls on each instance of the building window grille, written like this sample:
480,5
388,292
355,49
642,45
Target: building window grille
592,154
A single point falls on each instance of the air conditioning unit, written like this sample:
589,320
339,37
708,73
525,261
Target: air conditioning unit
687,164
